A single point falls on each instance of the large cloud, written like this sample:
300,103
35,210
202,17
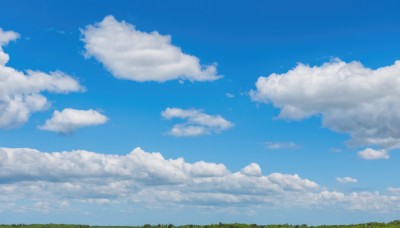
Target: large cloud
140,170
139,56
20,93
63,178
349,97
68,120
197,122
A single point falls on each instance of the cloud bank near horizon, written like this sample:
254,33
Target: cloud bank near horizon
142,177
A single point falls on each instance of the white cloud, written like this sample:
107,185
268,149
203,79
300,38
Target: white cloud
281,145
81,175
372,154
229,95
252,170
140,56
41,179
197,122
359,201
349,97
68,120
5,38
205,169
346,180
393,190
20,93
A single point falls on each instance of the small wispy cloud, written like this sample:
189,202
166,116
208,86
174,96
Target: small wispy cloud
335,150
230,95
346,180
281,145
196,122
372,154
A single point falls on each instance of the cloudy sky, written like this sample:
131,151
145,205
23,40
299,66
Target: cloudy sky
134,112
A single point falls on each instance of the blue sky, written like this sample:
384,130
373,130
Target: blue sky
199,112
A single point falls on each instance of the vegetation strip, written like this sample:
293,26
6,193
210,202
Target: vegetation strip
393,224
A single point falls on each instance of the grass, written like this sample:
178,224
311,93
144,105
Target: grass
393,224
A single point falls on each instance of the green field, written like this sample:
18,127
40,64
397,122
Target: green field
393,224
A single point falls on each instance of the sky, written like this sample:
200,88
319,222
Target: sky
199,112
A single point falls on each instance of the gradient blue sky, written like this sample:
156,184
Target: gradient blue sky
247,41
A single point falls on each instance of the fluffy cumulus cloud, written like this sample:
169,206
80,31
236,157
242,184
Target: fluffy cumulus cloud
68,120
346,180
140,56
41,179
373,154
21,92
349,97
252,170
196,122
5,37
